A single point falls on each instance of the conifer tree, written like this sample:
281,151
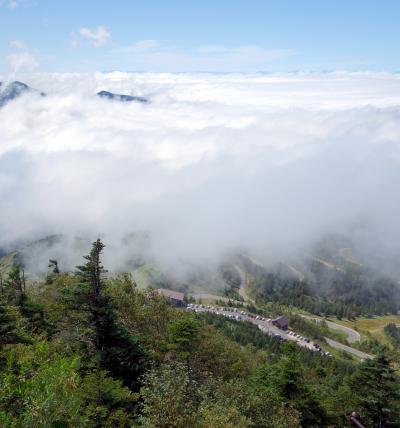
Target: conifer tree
8,332
117,350
53,264
14,285
377,389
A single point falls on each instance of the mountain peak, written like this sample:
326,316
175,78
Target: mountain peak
14,90
121,97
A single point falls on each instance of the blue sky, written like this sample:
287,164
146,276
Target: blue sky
191,35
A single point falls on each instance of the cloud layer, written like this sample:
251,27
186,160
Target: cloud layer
213,162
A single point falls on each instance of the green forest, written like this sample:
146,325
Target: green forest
346,293
87,349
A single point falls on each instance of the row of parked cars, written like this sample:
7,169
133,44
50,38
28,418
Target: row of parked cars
305,339
218,309
238,315
297,336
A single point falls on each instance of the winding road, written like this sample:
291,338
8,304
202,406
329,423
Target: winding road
267,327
264,325
352,335
348,349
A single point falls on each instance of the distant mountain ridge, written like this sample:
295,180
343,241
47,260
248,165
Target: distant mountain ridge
121,97
15,89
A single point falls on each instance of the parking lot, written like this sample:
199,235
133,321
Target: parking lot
264,324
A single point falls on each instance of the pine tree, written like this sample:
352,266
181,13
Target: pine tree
53,264
8,332
377,389
184,334
117,350
15,293
293,388
14,285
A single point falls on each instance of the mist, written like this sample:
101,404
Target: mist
213,163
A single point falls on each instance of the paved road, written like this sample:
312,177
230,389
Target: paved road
348,349
352,335
267,327
264,325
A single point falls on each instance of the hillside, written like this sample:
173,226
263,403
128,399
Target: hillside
347,290
83,350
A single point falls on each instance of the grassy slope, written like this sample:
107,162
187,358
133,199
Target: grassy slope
6,263
144,274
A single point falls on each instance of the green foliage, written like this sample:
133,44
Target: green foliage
13,286
376,392
285,380
346,293
83,350
170,399
183,334
244,333
116,350
39,388
8,333
167,397
373,346
314,329
106,402
393,332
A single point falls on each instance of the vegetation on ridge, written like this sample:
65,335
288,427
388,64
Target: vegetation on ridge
86,350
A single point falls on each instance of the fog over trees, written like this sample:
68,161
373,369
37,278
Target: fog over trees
268,163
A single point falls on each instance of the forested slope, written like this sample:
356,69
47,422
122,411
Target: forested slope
84,349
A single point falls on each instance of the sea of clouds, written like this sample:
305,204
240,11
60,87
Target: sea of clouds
213,162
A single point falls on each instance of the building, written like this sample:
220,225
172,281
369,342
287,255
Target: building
174,297
281,322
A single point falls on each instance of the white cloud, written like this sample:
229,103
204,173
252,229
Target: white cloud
268,162
22,62
17,44
98,36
